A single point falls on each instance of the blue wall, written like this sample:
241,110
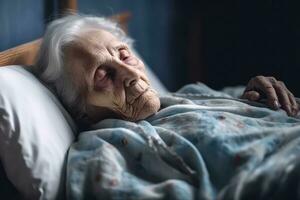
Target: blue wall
20,21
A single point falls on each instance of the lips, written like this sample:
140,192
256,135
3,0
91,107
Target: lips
134,100
135,92
142,93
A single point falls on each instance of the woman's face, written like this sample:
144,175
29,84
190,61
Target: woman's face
110,77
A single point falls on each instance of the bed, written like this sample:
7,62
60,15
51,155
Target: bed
202,144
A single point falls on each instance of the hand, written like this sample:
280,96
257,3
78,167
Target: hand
275,92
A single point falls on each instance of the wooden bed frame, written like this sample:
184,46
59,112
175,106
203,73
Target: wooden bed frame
25,54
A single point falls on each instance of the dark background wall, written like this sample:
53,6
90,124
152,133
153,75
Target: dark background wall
218,42
20,21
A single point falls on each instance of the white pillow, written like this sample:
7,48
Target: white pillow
35,134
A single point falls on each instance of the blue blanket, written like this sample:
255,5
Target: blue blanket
202,144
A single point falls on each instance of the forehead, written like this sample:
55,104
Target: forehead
91,44
97,38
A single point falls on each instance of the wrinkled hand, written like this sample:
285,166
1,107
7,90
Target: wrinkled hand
274,91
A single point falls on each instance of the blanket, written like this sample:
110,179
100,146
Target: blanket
202,144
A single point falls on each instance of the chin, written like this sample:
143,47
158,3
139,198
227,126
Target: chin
150,107
147,105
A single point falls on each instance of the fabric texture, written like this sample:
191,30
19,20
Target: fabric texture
35,134
202,144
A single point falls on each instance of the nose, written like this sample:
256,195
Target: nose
130,75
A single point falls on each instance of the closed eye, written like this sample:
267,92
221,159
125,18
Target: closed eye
100,73
123,51
102,79
122,47
104,73
124,54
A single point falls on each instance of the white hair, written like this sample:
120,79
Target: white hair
50,66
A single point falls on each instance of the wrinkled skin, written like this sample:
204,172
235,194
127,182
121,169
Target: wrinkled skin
110,77
273,91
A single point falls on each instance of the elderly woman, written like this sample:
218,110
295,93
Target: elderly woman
193,144
90,64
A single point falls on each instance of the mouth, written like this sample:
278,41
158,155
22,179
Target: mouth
140,95
142,106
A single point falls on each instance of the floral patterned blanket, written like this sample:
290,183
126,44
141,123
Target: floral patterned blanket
202,144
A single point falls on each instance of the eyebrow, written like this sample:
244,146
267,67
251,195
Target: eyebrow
91,52
122,45
96,55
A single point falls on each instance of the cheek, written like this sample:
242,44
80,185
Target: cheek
105,85
110,97
143,73
119,95
101,99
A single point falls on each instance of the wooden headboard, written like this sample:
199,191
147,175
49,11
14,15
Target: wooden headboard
25,54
